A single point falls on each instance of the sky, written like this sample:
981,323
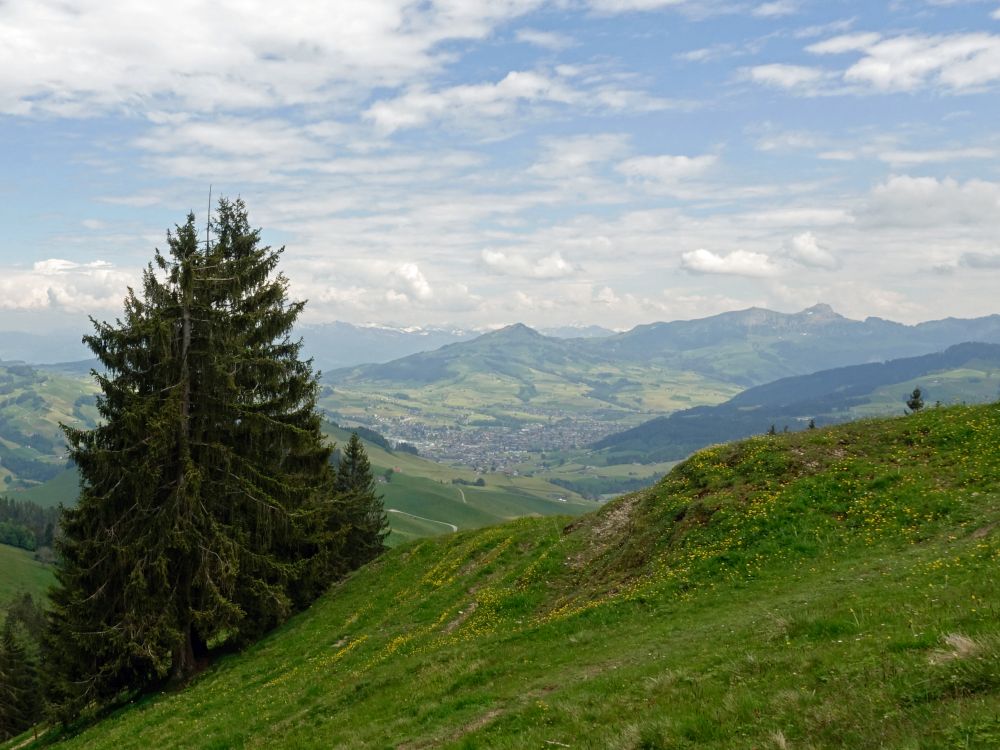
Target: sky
481,162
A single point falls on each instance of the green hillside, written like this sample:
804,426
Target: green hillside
834,588
20,573
516,375
32,405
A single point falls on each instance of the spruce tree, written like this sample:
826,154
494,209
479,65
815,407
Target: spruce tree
916,400
202,486
20,704
366,517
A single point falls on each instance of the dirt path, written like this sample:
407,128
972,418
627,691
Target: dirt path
462,493
451,526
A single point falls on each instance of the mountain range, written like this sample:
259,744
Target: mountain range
746,347
517,376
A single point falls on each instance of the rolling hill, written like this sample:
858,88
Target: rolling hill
826,589
966,373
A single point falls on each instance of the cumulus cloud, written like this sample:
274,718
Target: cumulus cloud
736,263
552,266
805,249
410,278
606,296
58,284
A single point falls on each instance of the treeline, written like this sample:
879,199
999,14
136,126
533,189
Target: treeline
28,468
26,524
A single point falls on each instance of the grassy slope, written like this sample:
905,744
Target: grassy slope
19,573
834,588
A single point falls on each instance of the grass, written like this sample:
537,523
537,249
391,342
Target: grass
63,489
828,589
21,573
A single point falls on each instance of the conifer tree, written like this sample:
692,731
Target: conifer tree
202,486
365,514
20,704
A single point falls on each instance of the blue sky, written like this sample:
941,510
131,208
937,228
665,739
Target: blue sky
480,162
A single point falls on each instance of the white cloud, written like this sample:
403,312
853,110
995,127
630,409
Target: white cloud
805,249
545,39
844,43
791,140
624,6
667,169
929,202
797,217
907,62
78,58
565,157
910,62
419,105
552,266
606,296
413,281
736,263
776,9
784,76
64,285
936,156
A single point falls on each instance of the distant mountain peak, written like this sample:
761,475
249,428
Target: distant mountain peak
516,330
821,309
